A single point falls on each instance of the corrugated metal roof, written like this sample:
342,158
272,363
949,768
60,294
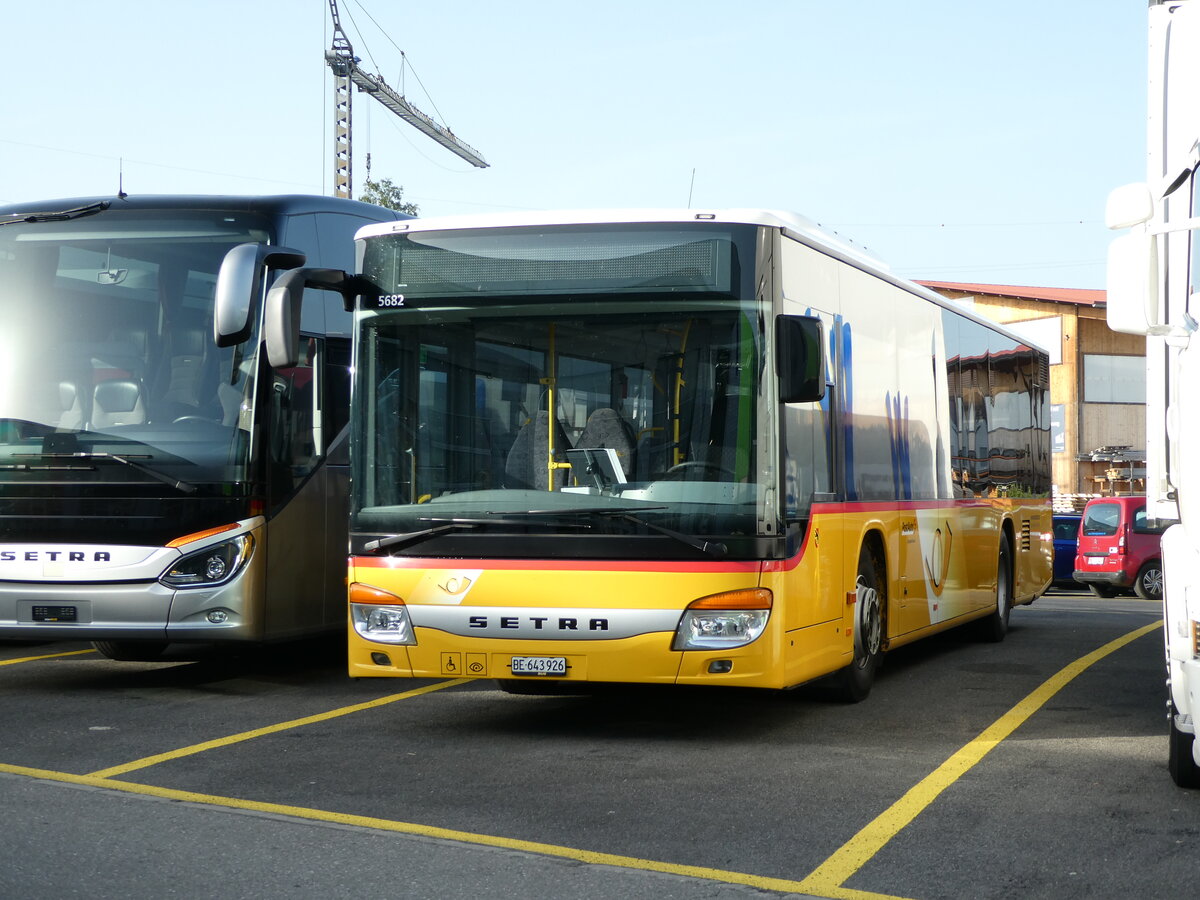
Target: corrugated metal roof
1078,296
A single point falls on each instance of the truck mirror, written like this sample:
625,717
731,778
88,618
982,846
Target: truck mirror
239,285
1129,205
1133,299
799,359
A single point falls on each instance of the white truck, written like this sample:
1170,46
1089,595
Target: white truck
1154,289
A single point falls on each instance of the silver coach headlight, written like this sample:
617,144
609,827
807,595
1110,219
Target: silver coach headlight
211,566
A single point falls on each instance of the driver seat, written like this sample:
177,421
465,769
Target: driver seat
117,401
606,429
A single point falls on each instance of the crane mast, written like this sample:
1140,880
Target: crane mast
346,71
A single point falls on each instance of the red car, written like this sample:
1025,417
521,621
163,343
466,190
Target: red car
1118,548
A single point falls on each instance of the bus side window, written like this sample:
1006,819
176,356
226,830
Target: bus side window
335,400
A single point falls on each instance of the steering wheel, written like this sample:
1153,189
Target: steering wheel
205,419
678,472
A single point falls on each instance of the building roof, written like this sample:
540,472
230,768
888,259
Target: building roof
1077,296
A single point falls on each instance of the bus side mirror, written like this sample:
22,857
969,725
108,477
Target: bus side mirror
799,359
281,317
239,285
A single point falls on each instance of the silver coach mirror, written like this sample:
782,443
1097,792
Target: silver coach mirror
239,284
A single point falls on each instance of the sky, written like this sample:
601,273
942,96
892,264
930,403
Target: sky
967,141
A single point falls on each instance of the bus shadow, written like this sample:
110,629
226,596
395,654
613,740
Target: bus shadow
199,667
719,714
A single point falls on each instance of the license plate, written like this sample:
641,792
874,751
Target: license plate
1096,560
54,614
539,665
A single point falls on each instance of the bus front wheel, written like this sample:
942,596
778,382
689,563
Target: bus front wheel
853,683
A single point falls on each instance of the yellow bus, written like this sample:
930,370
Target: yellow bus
677,447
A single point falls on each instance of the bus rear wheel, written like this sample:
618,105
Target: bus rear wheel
130,651
853,683
995,626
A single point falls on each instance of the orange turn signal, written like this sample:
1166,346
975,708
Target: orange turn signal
748,598
200,535
372,596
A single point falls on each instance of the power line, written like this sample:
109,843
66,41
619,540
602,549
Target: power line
404,56
144,162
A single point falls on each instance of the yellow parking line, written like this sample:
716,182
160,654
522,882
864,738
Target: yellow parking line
826,881
25,659
828,878
271,729
300,812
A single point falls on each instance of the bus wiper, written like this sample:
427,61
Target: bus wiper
57,216
413,537
176,483
447,524
715,549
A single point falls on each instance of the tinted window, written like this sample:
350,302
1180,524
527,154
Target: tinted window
1065,529
1102,519
1142,525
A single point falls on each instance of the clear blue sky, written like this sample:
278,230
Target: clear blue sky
958,141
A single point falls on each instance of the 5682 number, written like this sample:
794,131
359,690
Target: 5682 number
391,300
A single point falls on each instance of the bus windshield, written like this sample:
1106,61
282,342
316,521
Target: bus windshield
107,351
553,392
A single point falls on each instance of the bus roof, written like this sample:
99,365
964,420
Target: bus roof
276,204
799,226
791,224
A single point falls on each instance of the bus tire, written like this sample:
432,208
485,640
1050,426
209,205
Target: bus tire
853,683
131,651
1180,762
995,626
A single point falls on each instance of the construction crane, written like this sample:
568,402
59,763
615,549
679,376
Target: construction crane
346,71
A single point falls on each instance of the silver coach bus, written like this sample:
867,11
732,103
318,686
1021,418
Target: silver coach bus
160,480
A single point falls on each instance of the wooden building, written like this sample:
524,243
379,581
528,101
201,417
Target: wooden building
1097,382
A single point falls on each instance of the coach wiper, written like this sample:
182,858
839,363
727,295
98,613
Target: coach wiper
58,216
176,483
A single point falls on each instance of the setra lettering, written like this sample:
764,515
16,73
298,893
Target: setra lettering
54,556
537,623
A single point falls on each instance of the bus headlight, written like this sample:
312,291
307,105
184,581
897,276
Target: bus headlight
724,621
379,616
211,566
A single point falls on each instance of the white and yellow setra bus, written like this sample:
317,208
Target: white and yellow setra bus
677,447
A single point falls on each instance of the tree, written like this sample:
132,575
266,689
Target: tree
384,193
